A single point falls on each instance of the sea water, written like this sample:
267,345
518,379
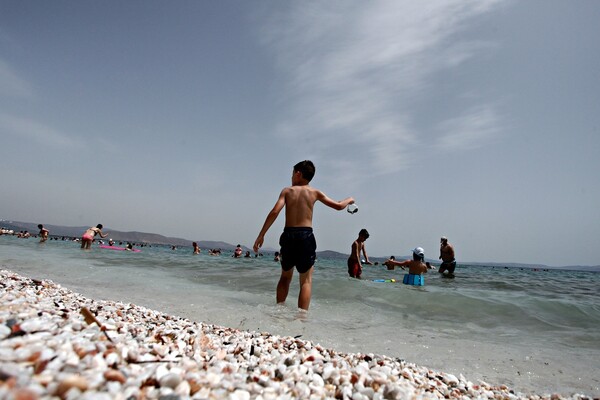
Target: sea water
533,330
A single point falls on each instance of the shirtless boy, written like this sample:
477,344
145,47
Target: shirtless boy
88,236
358,246
298,245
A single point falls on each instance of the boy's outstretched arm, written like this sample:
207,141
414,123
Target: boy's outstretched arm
271,217
394,263
336,205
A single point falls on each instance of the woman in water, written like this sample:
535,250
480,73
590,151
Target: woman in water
88,236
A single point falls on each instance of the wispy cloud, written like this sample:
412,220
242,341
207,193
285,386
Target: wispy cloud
354,71
11,84
468,131
42,134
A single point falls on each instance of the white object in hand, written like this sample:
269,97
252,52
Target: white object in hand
352,208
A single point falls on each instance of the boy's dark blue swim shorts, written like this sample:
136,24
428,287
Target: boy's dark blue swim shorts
298,248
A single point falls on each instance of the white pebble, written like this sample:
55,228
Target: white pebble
170,380
240,395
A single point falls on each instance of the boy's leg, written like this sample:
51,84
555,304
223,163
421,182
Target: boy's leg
283,286
305,289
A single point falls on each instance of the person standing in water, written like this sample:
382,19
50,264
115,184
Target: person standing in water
298,244
447,257
43,233
88,236
358,246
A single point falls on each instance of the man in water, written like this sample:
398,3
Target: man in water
447,257
358,246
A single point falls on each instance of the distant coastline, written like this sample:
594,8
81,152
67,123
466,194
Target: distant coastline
154,238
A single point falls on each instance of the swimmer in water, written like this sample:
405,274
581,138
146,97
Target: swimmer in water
88,237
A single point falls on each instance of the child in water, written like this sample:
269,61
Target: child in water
416,267
298,245
358,246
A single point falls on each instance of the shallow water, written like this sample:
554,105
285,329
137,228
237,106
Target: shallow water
535,331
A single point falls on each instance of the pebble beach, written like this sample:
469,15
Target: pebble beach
55,343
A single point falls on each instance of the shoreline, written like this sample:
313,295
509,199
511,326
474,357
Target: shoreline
48,349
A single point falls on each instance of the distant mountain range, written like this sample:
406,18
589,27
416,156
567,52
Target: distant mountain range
119,236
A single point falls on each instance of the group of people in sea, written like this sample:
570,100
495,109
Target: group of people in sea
86,240
298,244
416,266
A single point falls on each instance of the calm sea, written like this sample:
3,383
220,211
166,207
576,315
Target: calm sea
535,331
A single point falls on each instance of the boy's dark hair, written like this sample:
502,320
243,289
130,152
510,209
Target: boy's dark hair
40,226
306,168
364,233
99,226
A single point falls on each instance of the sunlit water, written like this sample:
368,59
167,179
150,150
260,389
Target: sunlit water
535,331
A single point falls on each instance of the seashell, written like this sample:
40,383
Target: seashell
213,379
166,393
98,362
4,331
131,354
113,387
450,379
317,380
240,395
114,375
358,396
170,380
183,389
131,392
301,390
160,350
70,382
368,392
34,325
407,374
160,372
112,359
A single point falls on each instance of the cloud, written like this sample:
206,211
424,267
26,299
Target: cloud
13,85
355,70
468,131
40,133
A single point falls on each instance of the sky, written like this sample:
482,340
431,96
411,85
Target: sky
475,120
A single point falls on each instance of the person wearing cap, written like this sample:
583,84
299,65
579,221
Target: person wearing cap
416,267
358,246
447,257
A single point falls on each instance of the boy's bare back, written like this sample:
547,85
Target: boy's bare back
299,204
298,200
